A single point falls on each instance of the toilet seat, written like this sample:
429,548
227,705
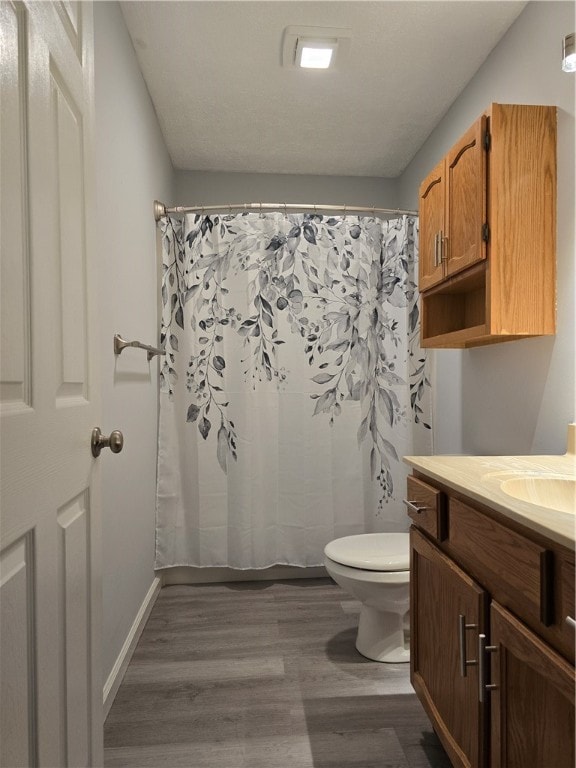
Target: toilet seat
336,569
383,552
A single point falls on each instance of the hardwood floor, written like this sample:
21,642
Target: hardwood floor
263,675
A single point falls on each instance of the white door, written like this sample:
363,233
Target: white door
50,577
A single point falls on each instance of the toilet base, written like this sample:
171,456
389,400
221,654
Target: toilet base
381,636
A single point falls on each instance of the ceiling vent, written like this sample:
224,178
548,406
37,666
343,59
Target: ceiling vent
315,47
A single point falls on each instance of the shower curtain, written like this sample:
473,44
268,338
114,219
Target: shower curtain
291,388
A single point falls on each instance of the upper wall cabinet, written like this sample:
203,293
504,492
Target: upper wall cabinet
488,232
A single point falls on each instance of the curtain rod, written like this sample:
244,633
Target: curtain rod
160,210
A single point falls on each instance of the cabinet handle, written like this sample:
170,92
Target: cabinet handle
483,685
413,505
443,243
440,246
546,587
464,662
570,621
436,249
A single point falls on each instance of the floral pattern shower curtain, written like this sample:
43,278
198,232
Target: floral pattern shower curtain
291,388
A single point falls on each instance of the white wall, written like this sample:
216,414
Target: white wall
516,397
197,188
133,168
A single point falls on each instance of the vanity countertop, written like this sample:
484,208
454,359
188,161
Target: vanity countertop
481,478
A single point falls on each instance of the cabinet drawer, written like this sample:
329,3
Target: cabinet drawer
518,572
426,507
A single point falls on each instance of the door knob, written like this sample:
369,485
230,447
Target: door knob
115,441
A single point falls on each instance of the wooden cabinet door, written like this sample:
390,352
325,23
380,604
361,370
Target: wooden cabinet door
431,212
532,710
441,592
466,200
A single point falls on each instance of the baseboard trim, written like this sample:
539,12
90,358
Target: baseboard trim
119,669
184,574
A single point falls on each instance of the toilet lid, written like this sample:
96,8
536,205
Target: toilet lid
372,551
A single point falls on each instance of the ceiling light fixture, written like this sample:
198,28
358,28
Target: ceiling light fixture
568,54
315,54
315,47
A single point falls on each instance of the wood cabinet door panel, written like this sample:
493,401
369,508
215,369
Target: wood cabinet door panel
532,708
466,200
431,213
440,593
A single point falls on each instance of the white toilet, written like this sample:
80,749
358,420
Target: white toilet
375,569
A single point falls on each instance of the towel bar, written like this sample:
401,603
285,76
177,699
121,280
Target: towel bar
120,344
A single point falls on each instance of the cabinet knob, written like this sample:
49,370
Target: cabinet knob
570,621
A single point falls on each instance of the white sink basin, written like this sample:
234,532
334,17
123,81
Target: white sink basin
558,493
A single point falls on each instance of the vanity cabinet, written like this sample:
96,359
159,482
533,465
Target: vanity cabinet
487,248
492,657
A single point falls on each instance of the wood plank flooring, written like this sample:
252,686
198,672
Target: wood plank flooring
263,675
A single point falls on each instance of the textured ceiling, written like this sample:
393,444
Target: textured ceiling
225,103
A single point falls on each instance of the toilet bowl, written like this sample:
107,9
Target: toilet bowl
375,569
